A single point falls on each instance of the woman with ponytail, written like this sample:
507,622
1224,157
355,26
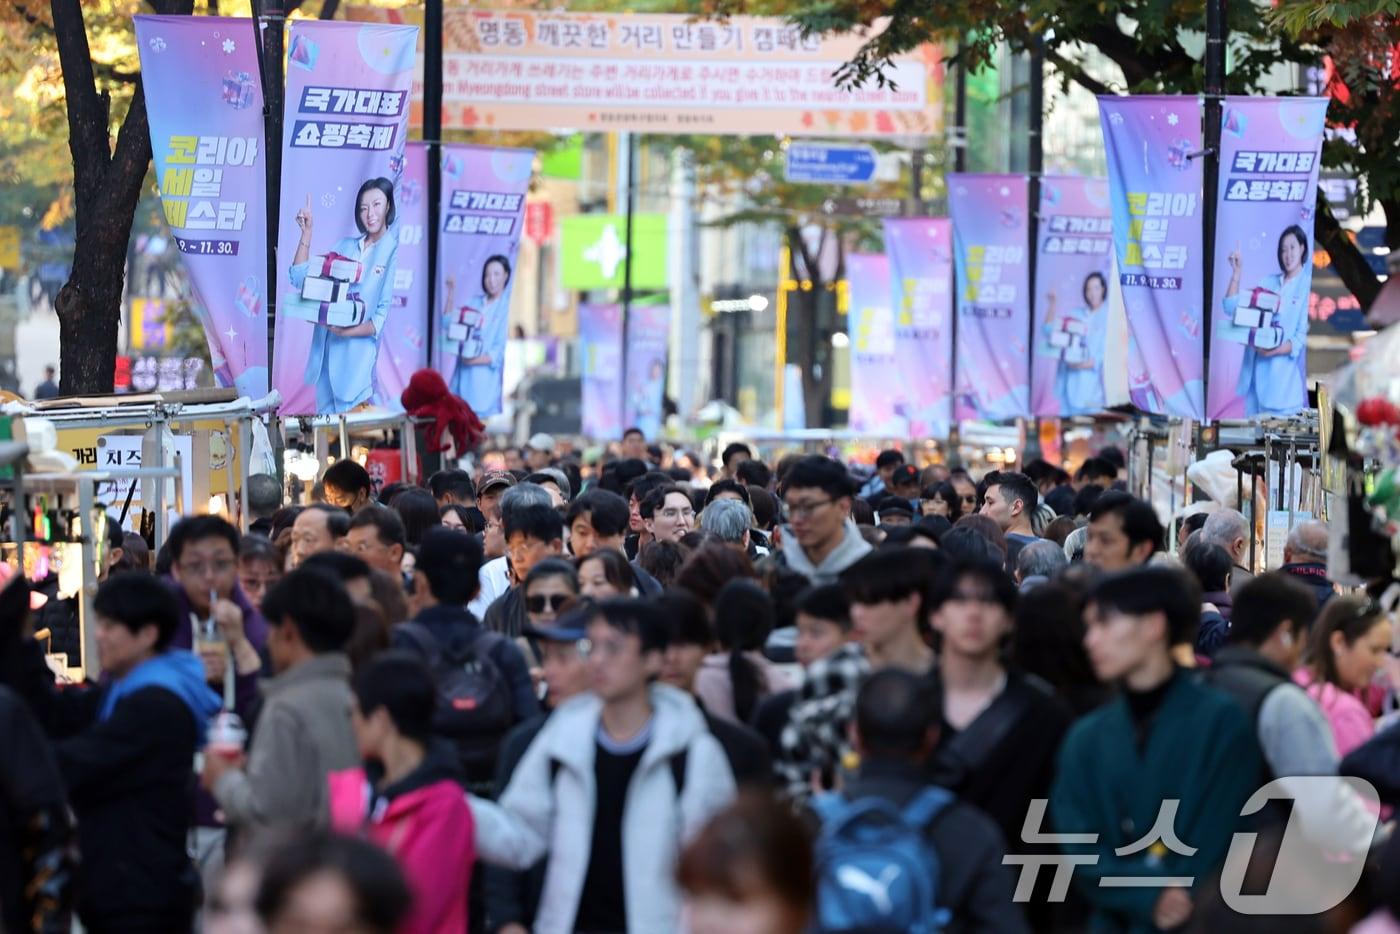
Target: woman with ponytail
732,681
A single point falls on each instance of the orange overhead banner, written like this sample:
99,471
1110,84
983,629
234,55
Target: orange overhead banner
665,73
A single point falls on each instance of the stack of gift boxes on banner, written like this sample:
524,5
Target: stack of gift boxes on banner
462,337
1254,320
326,294
1068,339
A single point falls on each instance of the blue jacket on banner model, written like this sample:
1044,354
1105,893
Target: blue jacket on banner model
1271,379
477,337
342,359
1078,340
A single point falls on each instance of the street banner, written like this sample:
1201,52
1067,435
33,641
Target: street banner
874,379
482,215
600,340
648,337
667,73
993,301
1155,175
1269,156
921,266
404,343
1074,260
343,160
204,104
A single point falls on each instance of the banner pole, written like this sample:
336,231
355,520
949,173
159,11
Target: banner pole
432,136
631,195
959,142
1035,165
270,22
1216,33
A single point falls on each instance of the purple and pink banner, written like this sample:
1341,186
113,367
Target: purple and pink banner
990,240
1154,178
600,344
343,162
403,347
870,320
1269,157
648,336
1074,259
920,254
482,212
204,103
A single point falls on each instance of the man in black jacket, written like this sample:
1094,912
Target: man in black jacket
125,751
37,842
896,728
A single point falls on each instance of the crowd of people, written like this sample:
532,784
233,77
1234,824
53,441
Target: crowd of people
663,695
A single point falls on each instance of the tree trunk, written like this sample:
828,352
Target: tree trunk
1356,274
107,185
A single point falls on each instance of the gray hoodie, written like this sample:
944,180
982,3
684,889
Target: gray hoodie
852,548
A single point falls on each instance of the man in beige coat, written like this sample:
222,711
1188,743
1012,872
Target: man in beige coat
303,731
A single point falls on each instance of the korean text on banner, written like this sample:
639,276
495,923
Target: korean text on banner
871,323
205,108
668,73
600,340
343,161
403,347
483,210
648,334
1074,259
1269,158
921,266
993,301
1154,183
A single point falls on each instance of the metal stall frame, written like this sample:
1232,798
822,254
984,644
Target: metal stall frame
346,426
236,415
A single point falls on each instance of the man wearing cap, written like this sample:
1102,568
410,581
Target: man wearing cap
512,896
539,452
904,484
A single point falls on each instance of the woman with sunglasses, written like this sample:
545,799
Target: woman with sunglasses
549,586
1348,646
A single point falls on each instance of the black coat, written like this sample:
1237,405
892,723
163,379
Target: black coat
130,780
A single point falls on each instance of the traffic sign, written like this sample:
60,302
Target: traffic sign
830,164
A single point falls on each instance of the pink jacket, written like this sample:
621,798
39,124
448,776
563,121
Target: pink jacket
429,831
1351,722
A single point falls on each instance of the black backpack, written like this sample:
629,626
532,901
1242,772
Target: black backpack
475,708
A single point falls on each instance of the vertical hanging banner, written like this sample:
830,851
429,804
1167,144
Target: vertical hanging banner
343,157
870,319
403,345
921,267
1155,175
204,104
648,336
600,343
483,211
993,301
1269,159
1074,259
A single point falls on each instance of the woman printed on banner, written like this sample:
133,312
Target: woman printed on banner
1079,376
1271,379
479,367
342,360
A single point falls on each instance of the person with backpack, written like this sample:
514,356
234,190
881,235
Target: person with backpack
612,787
1269,630
483,683
303,731
407,797
895,853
